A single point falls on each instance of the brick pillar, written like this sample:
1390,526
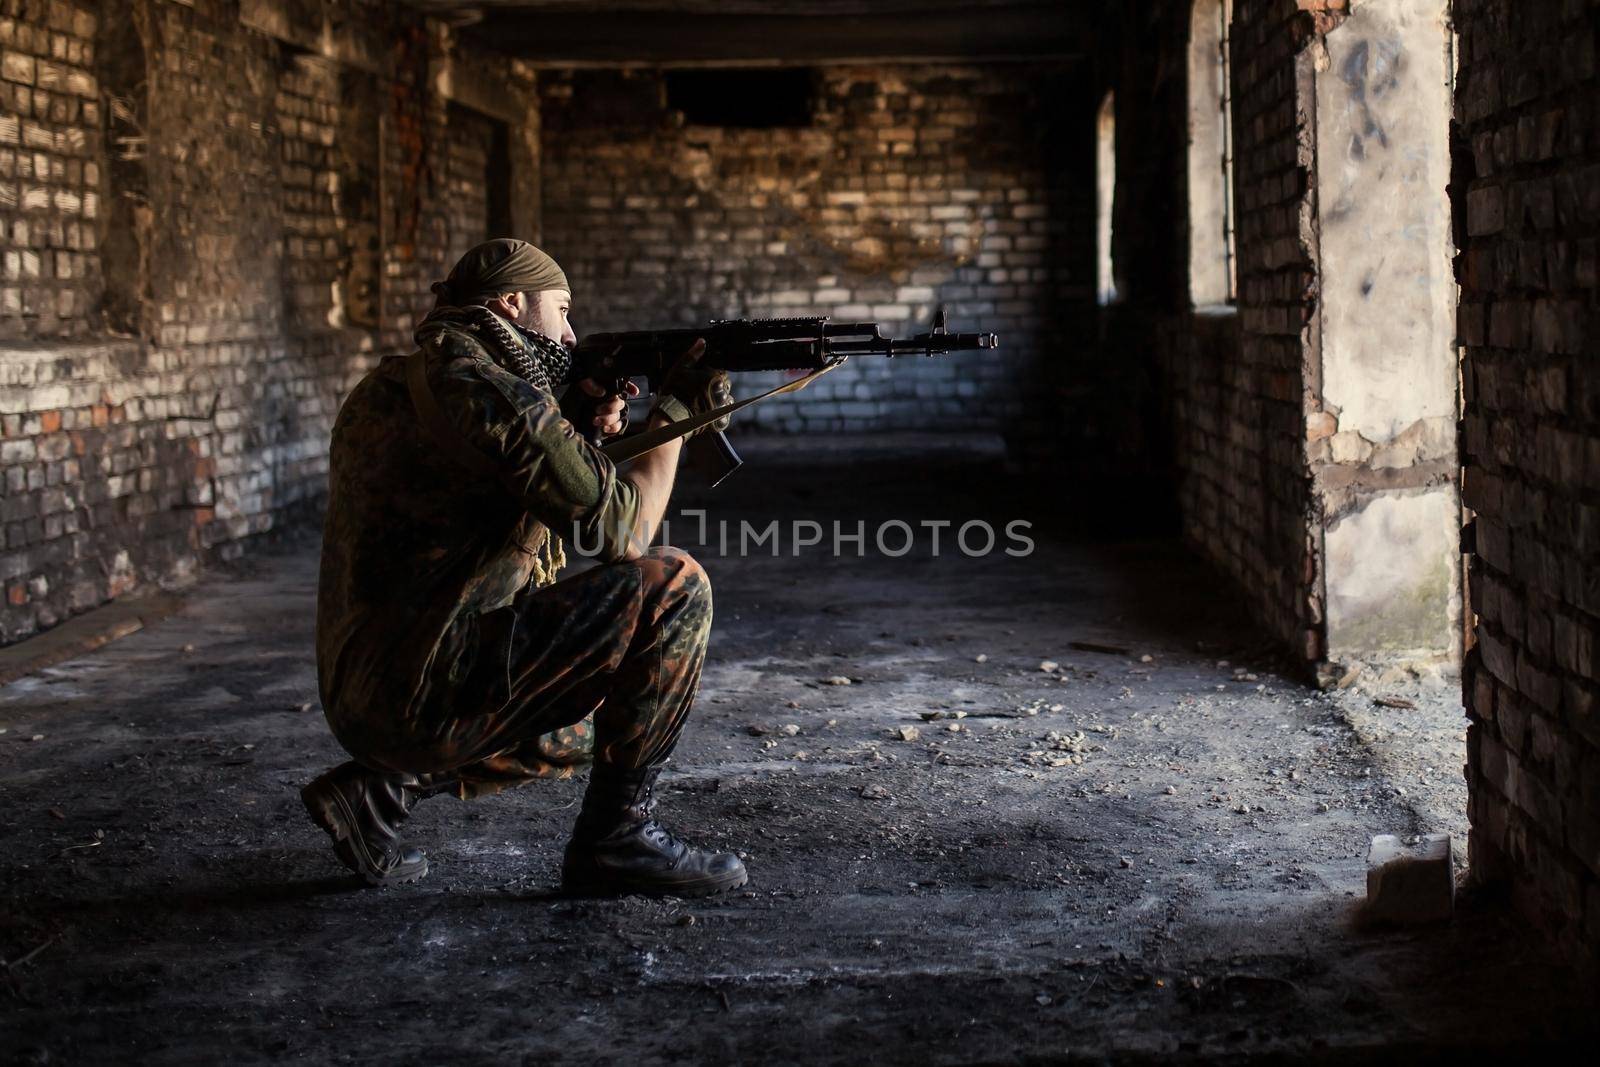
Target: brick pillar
1527,205
1268,536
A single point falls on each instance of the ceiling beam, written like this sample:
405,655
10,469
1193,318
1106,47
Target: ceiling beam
475,9
675,39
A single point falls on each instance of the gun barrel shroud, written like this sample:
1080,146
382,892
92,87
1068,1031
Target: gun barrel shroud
758,345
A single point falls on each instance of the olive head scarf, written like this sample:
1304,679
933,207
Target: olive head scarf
500,266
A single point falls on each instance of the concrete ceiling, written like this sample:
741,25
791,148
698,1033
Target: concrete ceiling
560,33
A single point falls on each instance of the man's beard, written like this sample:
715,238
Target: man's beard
529,318
534,335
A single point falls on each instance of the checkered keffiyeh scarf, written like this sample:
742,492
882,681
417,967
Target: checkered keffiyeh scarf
530,356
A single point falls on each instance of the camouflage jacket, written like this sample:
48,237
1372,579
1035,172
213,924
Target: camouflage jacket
415,547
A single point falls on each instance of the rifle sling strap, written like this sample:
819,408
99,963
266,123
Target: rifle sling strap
445,435
629,447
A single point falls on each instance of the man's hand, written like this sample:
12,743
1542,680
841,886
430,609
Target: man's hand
608,413
696,389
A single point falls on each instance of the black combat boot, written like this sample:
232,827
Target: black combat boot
362,809
618,847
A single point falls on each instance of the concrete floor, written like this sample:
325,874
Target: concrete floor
1140,855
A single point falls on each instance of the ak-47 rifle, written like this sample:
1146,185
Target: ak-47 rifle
803,344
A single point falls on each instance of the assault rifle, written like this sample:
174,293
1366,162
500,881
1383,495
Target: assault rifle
735,345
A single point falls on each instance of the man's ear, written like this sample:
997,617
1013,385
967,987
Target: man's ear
508,305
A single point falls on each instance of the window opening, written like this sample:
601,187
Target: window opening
1105,190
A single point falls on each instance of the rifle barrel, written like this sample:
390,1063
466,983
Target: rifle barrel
760,345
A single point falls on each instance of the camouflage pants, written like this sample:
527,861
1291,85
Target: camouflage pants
600,666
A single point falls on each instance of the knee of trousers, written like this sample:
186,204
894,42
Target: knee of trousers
678,581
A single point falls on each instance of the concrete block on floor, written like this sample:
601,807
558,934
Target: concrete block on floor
1410,883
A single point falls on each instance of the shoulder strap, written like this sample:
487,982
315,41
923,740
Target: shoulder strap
444,434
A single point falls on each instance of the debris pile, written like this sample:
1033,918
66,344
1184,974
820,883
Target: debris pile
1060,749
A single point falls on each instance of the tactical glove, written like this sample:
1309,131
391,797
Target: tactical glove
691,388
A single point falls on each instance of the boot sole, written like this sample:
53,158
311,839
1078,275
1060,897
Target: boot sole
347,844
709,887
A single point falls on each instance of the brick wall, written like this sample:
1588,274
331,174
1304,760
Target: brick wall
52,164
1261,485
910,187
264,224
469,152
1527,199
1233,387
51,155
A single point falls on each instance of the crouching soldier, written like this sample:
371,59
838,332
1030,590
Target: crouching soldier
448,657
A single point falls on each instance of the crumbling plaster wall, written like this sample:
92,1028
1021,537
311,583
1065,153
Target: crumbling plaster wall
911,187
1381,432
225,211
1527,207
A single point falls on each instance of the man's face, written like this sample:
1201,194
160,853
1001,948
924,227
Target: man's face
546,313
